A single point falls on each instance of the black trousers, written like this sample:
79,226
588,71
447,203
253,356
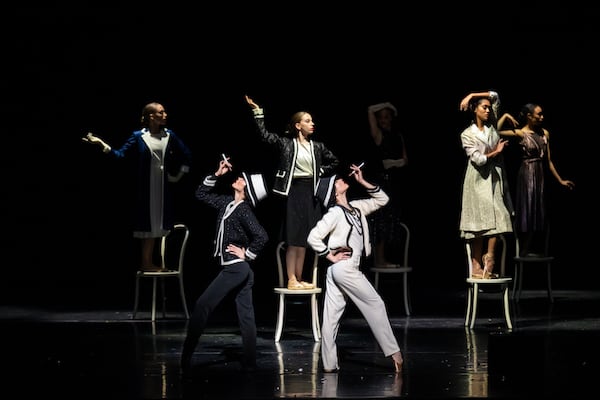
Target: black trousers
237,278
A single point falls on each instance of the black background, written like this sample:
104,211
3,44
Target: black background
68,71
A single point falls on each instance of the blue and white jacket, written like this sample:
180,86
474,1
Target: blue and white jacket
236,224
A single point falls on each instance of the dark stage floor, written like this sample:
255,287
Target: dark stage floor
552,352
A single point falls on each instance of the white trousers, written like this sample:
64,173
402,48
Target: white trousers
345,280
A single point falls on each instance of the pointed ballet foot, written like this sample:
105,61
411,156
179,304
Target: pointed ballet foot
398,362
398,366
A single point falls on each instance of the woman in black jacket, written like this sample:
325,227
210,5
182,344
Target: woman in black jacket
239,239
302,162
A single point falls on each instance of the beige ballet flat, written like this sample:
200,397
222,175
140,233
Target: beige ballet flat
293,284
307,285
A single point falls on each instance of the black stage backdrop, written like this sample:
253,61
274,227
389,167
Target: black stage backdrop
68,71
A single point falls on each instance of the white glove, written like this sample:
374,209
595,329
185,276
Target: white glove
90,138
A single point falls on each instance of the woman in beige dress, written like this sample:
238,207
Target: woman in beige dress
486,208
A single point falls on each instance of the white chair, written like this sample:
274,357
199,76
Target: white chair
172,252
542,258
402,268
475,285
284,293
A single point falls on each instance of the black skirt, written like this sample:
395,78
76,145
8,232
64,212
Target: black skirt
302,212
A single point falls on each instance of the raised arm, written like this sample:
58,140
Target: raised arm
464,103
494,99
91,138
251,102
378,198
509,132
224,167
358,176
376,133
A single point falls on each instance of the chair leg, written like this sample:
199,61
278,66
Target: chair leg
137,296
183,302
507,307
314,317
469,305
520,284
376,283
280,312
164,297
474,305
317,319
515,281
406,299
549,274
154,285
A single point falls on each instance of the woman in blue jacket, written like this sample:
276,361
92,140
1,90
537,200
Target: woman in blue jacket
160,158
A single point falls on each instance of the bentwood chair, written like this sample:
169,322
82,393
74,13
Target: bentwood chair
394,269
286,294
487,286
172,253
540,259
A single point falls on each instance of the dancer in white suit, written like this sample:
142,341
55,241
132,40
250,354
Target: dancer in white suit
345,228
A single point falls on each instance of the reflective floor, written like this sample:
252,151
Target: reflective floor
551,352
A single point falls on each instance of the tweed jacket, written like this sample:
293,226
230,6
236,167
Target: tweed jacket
335,227
236,224
324,161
